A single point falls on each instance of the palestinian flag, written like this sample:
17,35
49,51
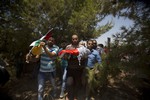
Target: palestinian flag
35,43
45,37
73,52
36,48
81,51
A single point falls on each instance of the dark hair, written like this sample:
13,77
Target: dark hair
94,41
89,40
101,45
52,39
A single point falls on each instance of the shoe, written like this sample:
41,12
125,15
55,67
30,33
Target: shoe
61,94
75,99
87,98
92,98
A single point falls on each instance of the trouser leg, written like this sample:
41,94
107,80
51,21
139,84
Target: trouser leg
64,81
41,81
52,79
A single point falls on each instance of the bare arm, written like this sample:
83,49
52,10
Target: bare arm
30,57
50,54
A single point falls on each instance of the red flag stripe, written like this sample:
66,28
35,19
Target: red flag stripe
72,52
48,35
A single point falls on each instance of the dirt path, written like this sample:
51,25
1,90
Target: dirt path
26,89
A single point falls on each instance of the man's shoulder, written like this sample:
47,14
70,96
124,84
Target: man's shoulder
69,46
55,46
95,51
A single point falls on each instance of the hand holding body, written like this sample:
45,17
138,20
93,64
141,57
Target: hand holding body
30,57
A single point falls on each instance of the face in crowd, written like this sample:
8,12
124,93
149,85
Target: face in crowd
90,44
94,44
63,45
75,40
51,42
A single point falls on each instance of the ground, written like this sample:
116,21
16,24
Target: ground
25,88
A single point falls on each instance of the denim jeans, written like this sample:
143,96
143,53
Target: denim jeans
64,79
42,77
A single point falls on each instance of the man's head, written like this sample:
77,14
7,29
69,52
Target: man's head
101,45
75,39
63,45
82,43
90,44
94,44
51,42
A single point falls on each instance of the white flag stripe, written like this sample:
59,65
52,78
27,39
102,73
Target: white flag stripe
33,43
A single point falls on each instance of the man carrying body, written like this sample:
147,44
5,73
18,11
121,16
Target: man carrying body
74,70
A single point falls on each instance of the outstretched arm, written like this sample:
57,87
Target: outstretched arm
32,58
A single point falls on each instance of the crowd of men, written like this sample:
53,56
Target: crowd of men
72,67
70,64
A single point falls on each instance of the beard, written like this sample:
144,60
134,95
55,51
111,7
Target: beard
50,44
75,43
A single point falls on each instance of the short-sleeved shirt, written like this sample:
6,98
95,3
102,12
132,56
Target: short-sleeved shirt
64,62
93,58
47,64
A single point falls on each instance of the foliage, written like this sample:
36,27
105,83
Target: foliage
25,21
130,54
12,30
97,77
66,17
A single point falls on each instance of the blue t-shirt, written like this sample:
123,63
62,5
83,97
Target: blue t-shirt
64,62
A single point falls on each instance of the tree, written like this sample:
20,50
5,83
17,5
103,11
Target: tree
131,54
25,21
66,17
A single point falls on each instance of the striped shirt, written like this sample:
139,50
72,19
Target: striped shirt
47,64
